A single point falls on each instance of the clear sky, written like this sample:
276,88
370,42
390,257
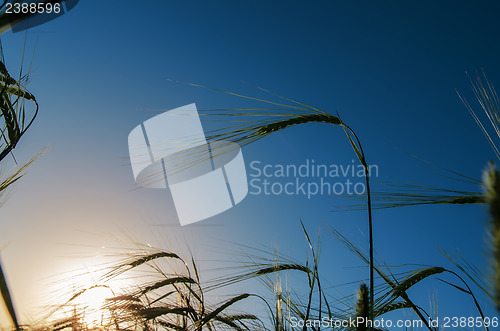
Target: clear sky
389,68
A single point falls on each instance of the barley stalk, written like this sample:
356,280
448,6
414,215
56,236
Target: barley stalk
290,115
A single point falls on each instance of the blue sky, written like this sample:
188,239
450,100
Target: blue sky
389,68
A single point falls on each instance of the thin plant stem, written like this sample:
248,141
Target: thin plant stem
370,223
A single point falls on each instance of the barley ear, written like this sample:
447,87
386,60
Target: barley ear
363,307
491,181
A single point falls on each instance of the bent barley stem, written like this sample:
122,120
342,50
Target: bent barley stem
361,156
246,132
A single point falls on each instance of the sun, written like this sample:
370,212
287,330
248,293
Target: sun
92,303
95,297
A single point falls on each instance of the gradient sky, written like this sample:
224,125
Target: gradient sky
389,68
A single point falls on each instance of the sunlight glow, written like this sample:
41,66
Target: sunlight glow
92,302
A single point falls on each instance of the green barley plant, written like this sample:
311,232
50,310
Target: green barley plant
253,124
173,298
489,102
170,295
398,195
392,293
15,119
